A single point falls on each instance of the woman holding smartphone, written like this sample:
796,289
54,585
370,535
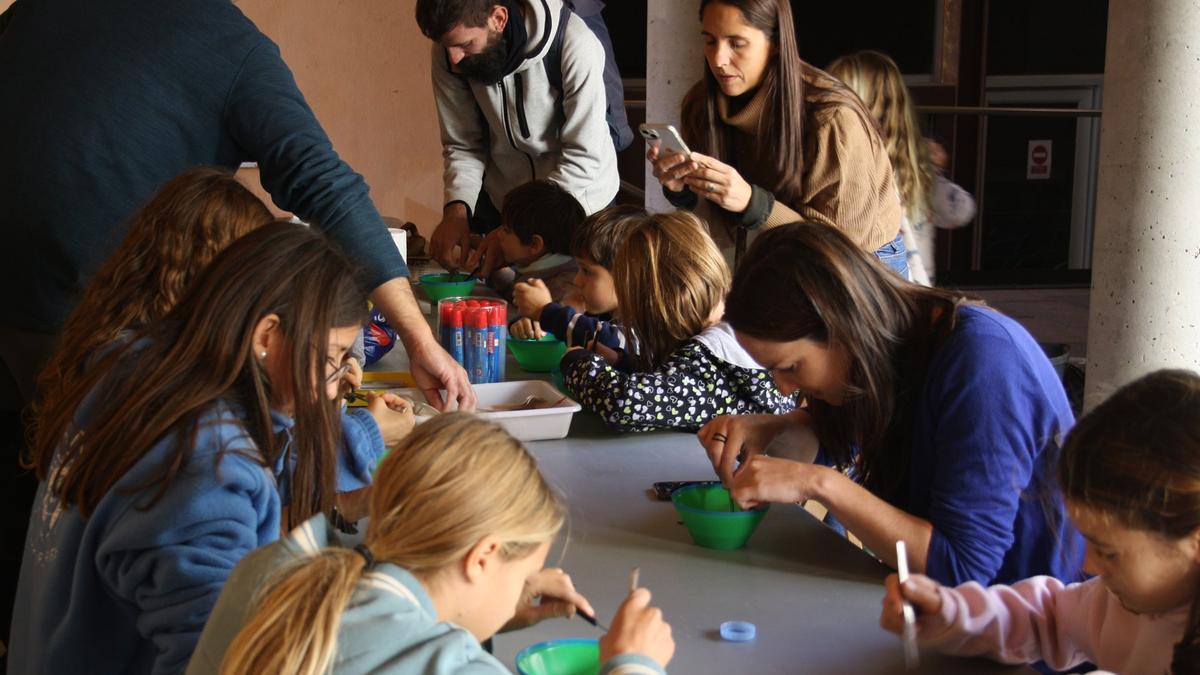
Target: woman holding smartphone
775,140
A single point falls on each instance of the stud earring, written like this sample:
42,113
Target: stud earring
262,355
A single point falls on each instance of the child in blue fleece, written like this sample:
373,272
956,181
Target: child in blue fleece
594,245
454,553
169,240
193,443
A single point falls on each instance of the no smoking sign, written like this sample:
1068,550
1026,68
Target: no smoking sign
1037,164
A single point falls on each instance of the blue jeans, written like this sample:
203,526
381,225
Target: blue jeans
895,256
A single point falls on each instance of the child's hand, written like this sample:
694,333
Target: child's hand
393,414
530,297
558,598
922,593
638,628
527,329
354,376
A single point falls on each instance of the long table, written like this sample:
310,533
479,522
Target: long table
813,596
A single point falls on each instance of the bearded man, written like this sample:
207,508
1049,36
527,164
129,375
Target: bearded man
517,101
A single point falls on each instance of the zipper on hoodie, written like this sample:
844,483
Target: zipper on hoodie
520,105
509,133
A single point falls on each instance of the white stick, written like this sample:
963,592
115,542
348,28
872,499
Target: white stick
911,657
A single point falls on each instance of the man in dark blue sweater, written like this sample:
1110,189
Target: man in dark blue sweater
105,102
101,103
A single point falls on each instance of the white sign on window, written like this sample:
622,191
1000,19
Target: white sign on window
1037,164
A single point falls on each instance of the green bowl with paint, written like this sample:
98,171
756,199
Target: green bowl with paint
712,517
444,285
569,656
537,356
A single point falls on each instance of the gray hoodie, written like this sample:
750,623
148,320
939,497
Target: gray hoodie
521,128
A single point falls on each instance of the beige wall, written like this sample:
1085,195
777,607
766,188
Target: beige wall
364,68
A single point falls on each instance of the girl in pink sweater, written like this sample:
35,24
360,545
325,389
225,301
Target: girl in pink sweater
1130,472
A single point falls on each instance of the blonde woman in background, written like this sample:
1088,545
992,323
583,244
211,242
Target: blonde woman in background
454,552
928,199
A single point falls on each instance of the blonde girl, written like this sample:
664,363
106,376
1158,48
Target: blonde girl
671,282
461,522
877,80
1130,473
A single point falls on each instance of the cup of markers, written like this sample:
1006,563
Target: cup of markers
475,331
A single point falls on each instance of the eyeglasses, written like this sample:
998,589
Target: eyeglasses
338,374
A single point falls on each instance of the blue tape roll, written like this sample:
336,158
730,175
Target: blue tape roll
738,631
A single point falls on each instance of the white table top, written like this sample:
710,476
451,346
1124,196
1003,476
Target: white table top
814,597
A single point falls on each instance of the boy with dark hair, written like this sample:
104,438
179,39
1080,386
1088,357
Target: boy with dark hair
536,224
594,245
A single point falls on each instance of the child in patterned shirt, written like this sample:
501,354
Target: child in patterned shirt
594,245
671,282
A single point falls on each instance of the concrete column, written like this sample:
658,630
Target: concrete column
674,62
1145,301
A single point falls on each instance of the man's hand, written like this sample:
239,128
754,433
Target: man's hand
487,257
432,368
453,231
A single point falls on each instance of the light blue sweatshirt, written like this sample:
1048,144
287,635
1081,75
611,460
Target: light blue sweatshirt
129,589
390,625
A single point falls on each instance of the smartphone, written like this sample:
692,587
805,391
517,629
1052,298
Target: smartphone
663,489
668,138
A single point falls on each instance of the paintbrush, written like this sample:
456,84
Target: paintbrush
911,657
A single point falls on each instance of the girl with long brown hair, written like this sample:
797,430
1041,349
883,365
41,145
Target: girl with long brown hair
776,140
179,452
170,240
929,418
461,521
671,282
1130,473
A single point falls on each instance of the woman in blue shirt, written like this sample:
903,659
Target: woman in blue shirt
930,419
181,455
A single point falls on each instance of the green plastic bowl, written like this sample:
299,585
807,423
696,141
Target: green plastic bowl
712,517
538,356
446,285
569,656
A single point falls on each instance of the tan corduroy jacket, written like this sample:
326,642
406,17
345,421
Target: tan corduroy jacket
847,181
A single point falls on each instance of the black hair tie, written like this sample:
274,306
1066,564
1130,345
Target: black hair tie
369,560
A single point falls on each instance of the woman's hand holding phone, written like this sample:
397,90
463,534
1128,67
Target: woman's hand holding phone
669,167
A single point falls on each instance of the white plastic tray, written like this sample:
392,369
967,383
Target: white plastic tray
525,425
